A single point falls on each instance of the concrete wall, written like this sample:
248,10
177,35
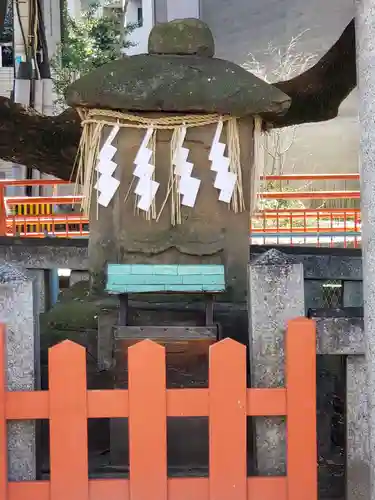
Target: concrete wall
319,263
45,254
321,267
49,253
324,267
276,284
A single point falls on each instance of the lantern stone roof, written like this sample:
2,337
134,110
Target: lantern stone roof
179,75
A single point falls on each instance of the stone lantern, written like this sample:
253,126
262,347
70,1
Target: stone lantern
169,158
177,92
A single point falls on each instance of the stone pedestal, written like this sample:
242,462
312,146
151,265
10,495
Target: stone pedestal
357,425
276,290
38,275
365,38
17,312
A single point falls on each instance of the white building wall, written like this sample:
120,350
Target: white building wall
173,10
52,21
9,170
6,81
140,35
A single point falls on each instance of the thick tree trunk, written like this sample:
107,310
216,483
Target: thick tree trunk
50,143
318,92
43,142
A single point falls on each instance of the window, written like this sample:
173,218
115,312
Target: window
6,58
140,16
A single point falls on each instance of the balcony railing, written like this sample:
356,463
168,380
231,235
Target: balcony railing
283,216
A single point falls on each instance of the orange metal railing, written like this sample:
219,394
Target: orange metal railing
303,225
37,226
328,227
280,224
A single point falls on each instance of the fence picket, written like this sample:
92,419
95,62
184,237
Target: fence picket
3,422
68,422
227,403
147,421
227,421
301,410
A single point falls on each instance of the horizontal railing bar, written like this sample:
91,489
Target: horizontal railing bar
300,217
114,403
343,234
308,195
269,487
57,234
292,195
311,177
307,230
284,177
312,211
33,182
45,200
298,212
35,219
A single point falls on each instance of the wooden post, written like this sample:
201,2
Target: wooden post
68,422
147,421
227,420
301,410
124,308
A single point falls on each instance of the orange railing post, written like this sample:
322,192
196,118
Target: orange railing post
3,212
301,410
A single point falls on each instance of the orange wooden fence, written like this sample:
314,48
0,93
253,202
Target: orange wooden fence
147,403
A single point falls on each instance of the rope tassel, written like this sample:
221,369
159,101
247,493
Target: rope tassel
183,187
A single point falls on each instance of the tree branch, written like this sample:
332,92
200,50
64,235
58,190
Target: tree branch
50,143
43,142
318,92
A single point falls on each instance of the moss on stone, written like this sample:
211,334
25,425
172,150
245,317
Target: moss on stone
176,84
75,312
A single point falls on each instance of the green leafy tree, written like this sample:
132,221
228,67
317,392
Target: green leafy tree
88,42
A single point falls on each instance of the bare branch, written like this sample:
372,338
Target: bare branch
284,63
318,92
